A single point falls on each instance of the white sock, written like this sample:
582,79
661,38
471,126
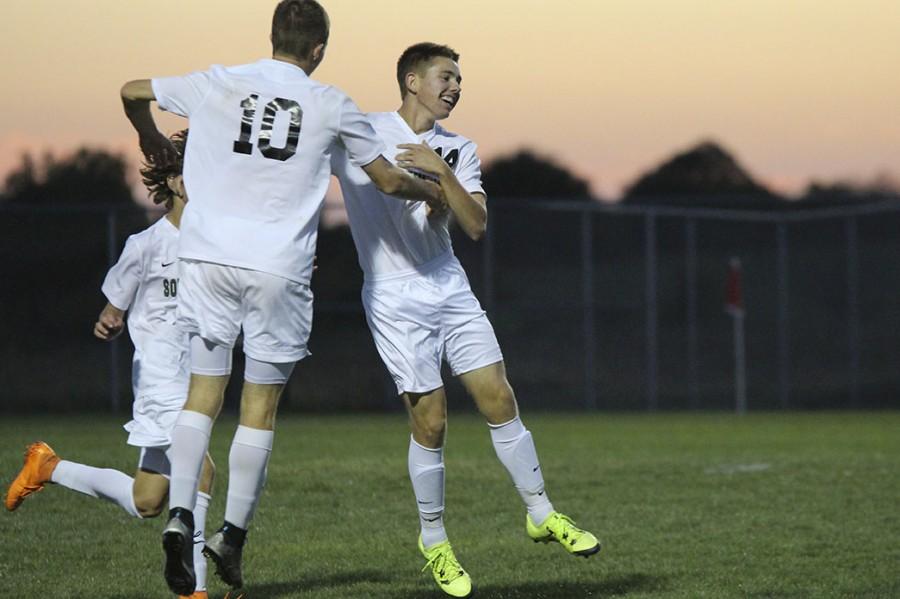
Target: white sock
102,483
190,440
202,505
247,461
515,449
426,471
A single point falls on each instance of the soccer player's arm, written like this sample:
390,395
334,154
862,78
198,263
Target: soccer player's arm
120,288
179,95
365,150
136,98
397,182
470,209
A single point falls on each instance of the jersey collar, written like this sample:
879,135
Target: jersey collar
405,125
283,67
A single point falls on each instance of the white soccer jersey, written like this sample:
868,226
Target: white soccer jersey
395,237
256,166
145,283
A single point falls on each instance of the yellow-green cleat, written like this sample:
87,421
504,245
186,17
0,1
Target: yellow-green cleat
447,572
561,529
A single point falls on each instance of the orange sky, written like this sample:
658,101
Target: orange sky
798,89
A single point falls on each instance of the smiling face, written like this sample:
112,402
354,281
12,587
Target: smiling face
436,86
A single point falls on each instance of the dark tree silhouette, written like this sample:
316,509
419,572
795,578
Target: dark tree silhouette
527,175
88,176
882,188
703,175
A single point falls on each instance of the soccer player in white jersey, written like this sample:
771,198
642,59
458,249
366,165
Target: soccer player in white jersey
256,169
421,310
143,283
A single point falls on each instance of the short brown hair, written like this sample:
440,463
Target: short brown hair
417,54
298,26
156,177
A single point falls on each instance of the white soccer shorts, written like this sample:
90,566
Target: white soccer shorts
153,417
217,301
420,320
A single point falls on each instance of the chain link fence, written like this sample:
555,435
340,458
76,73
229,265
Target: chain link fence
595,306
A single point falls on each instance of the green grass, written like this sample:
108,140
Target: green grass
771,505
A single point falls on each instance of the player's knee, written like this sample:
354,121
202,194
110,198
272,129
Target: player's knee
149,506
498,402
504,395
430,432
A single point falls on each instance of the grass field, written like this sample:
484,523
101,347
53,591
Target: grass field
710,505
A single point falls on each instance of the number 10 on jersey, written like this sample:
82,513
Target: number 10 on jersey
264,141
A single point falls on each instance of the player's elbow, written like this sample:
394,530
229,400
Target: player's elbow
138,90
476,233
477,229
128,91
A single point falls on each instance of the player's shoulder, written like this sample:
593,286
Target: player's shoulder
331,93
160,230
245,69
381,117
456,139
137,244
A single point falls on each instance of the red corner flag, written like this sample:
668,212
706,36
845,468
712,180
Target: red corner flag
734,298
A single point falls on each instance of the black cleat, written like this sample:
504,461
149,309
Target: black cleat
178,545
227,558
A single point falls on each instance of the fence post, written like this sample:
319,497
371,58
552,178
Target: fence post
111,226
652,318
852,228
587,297
784,323
690,258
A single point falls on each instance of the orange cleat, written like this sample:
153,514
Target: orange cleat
40,461
195,595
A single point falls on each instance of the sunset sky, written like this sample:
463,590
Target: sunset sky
797,89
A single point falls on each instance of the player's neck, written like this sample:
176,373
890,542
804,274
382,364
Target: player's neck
174,215
306,65
418,119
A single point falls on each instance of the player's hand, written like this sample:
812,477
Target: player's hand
158,149
421,157
437,207
110,323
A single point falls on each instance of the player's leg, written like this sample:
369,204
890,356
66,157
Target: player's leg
515,449
401,317
248,460
277,322
209,309
428,422
43,465
151,487
190,442
474,355
512,442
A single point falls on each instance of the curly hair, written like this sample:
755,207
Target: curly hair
155,178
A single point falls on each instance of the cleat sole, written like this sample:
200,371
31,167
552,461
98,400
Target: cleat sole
180,579
221,570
